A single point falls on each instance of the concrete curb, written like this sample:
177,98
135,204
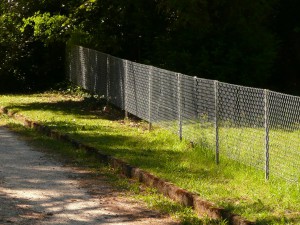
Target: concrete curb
184,197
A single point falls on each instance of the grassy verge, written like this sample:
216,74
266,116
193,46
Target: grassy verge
75,157
241,190
246,145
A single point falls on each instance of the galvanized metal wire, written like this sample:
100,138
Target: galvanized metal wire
284,135
256,127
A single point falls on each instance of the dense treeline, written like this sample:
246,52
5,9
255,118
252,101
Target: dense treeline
249,42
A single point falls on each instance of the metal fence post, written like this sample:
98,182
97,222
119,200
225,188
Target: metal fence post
216,86
195,98
179,105
266,125
125,89
108,79
150,96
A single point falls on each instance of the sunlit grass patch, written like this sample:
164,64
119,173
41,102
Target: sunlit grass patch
241,189
80,159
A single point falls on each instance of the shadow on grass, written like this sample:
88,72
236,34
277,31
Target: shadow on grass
85,107
106,138
51,191
278,220
135,149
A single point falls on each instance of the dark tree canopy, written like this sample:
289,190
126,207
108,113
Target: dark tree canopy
254,43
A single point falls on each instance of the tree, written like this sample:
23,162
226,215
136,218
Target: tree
225,40
244,42
31,59
287,27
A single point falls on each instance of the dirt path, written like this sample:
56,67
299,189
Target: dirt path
35,189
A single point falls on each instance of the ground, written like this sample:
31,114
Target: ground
37,189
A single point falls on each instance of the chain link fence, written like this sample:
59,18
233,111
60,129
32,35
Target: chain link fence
256,127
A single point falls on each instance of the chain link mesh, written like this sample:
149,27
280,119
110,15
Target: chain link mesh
198,111
88,69
255,127
164,98
284,135
115,78
137,90
241,124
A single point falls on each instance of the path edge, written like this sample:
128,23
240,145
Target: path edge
168,189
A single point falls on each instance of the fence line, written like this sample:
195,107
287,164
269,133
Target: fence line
257,127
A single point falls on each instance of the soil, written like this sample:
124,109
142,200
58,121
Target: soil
37,189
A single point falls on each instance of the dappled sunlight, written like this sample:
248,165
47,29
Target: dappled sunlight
31,194
35,189
186,164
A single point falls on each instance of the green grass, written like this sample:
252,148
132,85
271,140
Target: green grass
247,146
231,185
80,159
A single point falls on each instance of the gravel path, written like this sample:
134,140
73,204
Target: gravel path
36,189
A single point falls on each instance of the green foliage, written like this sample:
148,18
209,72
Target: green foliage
249,42
11,52
229,41
47,28
221,40
286,26
28,63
